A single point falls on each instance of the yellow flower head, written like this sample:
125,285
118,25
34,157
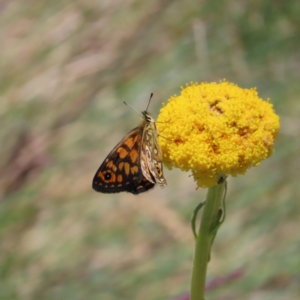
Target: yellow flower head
214,129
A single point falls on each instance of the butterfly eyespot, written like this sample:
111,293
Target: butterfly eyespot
107,176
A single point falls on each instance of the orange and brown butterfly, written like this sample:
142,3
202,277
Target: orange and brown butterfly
135,164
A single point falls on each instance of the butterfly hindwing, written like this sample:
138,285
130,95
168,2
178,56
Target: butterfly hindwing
151,156
143,186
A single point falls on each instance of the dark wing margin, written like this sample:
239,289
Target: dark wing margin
143,186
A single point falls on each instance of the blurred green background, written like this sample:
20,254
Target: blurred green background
66,68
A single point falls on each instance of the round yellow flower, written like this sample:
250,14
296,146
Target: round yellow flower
214,129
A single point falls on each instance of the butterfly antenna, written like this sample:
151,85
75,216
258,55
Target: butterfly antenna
151,95
132,108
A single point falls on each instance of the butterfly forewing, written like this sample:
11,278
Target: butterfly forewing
121,171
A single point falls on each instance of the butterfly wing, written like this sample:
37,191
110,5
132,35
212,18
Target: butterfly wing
143,186
152,156
121,170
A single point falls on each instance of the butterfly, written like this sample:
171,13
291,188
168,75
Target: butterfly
135,163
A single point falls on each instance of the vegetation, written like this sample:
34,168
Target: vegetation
66,68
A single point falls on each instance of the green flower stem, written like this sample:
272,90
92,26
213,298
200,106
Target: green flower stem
210,223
